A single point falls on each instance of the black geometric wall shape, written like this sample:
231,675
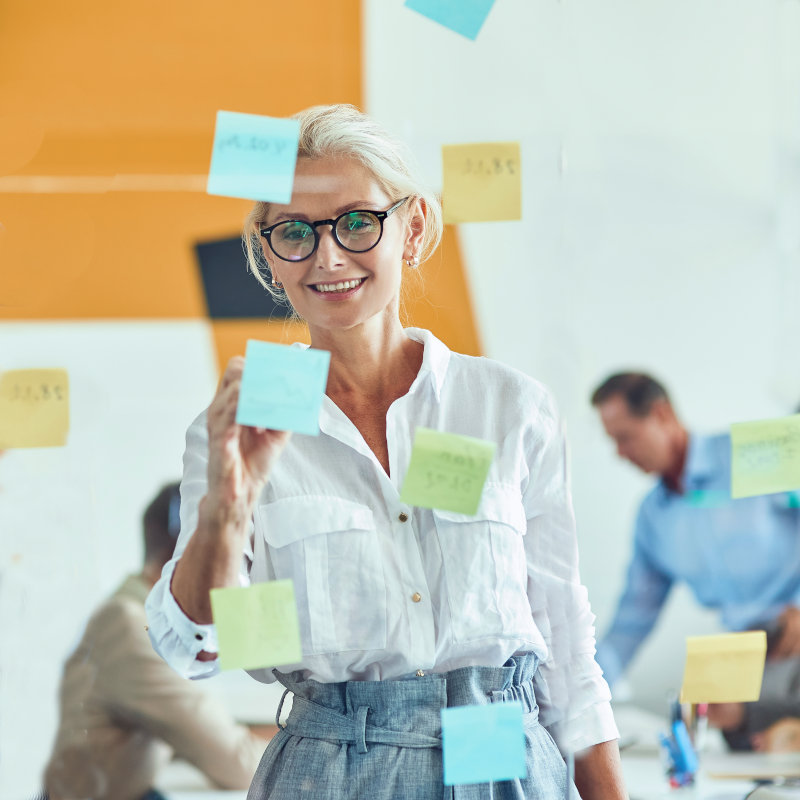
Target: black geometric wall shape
231,290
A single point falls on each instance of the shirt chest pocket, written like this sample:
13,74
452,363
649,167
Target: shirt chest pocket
329,548
485,567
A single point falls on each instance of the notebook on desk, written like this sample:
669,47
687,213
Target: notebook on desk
751,766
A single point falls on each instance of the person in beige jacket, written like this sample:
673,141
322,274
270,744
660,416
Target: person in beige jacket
124,713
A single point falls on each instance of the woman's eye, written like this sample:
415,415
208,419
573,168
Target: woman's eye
359,223
295,233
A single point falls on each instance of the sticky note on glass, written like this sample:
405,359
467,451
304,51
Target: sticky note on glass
282,387
447,471
482,182
34,408
257,625
765,456
725,668
483,743
462,16
254,157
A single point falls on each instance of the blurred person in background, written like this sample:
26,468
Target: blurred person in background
738,556
124,713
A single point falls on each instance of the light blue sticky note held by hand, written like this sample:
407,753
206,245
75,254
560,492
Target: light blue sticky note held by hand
462,16
254,157
282,387
483,743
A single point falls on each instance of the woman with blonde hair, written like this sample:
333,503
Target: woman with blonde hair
403,611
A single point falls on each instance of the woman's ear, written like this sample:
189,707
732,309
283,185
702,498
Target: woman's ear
416,225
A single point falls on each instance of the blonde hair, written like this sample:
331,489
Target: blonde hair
343,131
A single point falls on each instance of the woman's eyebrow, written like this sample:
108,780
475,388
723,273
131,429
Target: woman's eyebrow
366,205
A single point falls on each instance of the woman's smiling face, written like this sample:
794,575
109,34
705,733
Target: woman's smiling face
336,288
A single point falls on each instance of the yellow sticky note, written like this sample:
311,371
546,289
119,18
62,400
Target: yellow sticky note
765,456
482,182
725,668
447,471
34,408
257,625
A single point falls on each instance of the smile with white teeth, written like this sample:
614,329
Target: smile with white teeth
341,286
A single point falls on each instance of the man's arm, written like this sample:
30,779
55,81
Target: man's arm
646,589
139,688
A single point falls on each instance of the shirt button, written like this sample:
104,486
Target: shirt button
147,627
403,517
199,637
420,673
416,597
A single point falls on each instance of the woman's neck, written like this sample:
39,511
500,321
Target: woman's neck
370,361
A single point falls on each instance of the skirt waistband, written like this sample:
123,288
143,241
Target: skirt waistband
403,712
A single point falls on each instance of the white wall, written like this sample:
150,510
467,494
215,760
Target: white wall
661,205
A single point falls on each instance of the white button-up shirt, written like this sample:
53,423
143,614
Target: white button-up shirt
384,589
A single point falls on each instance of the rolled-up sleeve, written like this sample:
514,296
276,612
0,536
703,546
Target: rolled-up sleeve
175,637
574,698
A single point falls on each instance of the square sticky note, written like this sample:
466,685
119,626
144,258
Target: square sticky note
256,625
447,471
481,182
462,16
253,157
765,456
483,743
282,387
724,668
34,408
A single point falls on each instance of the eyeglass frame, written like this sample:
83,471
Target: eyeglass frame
380,215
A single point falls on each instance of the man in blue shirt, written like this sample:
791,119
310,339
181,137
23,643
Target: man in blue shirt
739,556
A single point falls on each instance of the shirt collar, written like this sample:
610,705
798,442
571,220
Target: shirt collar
701,460
435,360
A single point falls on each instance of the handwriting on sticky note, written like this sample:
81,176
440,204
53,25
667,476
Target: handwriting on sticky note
482,182
253,157
282,387
462,16
257,626
34,408
765,456
724,668
483,743
447,471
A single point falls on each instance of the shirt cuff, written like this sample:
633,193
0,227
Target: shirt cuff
593,726
175,637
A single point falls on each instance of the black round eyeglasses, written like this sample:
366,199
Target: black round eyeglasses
356,231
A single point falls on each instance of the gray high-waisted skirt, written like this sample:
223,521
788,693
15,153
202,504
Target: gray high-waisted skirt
382,740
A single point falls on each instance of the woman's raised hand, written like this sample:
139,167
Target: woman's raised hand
240,458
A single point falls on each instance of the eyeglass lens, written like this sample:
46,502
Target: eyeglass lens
356,231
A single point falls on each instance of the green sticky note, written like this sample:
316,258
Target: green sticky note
447,471
257,625
765,456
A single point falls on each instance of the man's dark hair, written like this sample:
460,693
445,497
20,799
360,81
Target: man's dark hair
162,524
638,389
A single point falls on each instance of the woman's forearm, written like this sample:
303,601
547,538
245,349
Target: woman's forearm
598,773
212,557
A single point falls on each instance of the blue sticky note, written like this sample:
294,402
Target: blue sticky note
483,743
254,157
462,16
282,387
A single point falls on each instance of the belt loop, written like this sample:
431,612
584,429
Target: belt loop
361,728
280,708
